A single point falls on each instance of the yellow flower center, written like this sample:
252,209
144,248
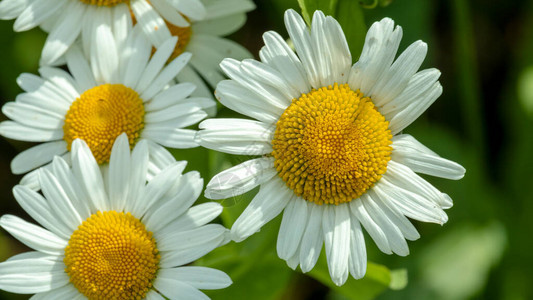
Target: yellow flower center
184,36
112,256
100,115
331,145
105,2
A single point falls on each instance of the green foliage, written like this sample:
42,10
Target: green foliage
349,15
377,279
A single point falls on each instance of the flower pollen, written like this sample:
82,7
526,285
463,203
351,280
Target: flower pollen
100,115
331,145
112,256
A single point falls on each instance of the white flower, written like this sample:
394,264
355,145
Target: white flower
66,20
204,40
120,237
116,92
333,156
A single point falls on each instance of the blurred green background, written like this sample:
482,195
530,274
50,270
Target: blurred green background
483,120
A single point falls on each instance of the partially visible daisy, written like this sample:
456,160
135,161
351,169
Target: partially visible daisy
116,92
68,19
120,238
334,159
204,40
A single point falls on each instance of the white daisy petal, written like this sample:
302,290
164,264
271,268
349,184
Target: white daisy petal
170,137
59,200
272,198
177,290
377,234
236,136
122,24
396,79
285,61
410,204
84,167
379,50
340,245
393,234
63,173
170,96
416,88
268,94
408,115
65,292
182,256
10,9
67,28
357,262
39,209
198,277
312,239
246,102
169,72
182,240
405,178
240,179
153,295
169,13
189,75
36,12
16,131
196,216
32,116
156,63
226,48
410,152
396,217
80,69
32,275
292,227
104,52
33,236
119,171
264,73
62,81
151,23
193,9
37,156
155,189
302,42
189,188
217,9
135,59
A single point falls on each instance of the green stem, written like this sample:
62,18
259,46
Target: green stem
467,76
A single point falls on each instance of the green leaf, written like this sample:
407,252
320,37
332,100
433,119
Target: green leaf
457,265
377,279
309,6
352,20
349,15
253,265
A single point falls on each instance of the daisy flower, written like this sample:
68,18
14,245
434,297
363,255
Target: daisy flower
116,92
120,238
333,158
66,20
203,39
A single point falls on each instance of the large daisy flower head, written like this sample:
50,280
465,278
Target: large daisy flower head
120,237
333,158
117,91
66,20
